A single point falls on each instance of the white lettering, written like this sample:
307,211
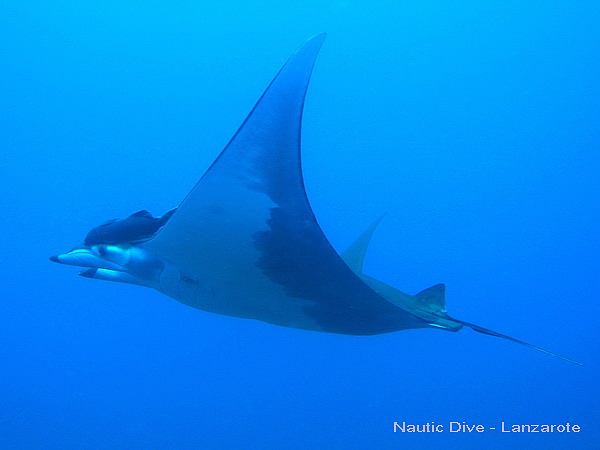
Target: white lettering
458,427
429,427
543,428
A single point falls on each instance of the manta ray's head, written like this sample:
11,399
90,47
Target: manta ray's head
111,251
133,264
125,263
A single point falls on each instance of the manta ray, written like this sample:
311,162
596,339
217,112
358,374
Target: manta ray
245,241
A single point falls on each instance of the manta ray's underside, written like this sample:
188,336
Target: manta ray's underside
245,241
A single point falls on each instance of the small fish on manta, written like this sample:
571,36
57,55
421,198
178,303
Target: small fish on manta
245,242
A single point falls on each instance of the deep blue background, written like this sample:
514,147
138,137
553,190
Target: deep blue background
473,124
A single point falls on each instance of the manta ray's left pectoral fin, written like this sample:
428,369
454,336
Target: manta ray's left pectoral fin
354,256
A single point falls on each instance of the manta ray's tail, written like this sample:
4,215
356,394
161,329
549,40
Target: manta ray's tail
518,341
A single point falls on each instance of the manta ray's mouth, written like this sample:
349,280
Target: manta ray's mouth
90,272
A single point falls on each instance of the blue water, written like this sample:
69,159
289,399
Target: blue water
473,124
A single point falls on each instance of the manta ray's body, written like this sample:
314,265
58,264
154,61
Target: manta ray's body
245,241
